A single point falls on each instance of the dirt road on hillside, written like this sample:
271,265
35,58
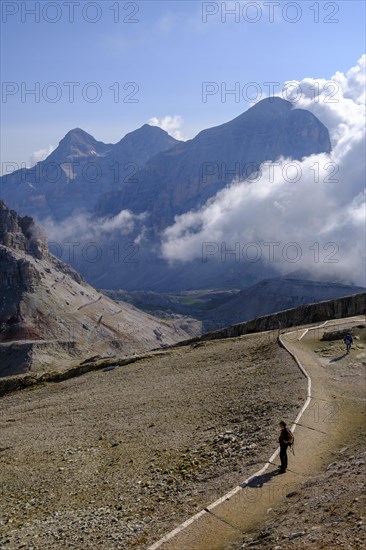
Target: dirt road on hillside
334,414
114,460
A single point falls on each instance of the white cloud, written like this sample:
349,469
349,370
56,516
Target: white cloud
170,124
87,228
326,205
40,155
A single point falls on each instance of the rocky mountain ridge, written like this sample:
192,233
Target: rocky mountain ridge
50,317
153,178
185,176
79,171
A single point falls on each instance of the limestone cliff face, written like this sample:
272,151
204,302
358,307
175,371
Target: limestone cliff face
21,243
185,176
45,304
17,273
79,171
21,234
275,295
149,172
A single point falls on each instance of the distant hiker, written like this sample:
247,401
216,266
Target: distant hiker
348,341
285,440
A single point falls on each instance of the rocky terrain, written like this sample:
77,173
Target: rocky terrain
324,512
50,317
327,510
119,457
116,459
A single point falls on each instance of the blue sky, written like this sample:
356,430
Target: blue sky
171,49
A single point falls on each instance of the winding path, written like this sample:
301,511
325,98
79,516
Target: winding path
323,421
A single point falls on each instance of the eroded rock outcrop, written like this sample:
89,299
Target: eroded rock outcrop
21,234
49,310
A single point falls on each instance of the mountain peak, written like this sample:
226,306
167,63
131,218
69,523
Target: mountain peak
273,103
148,140
79,133
77,143
79,137
149,127
267,109
150,130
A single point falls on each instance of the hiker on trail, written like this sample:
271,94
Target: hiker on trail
285,440
348,341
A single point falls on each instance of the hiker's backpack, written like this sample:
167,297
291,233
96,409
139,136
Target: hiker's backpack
291,439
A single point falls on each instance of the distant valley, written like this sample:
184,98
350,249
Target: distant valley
220,308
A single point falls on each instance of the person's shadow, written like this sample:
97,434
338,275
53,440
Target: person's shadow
338,358
259,481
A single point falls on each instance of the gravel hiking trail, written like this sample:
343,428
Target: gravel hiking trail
333,414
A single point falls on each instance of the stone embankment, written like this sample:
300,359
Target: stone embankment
348,306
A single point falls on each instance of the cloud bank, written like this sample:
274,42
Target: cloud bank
313,211
82,227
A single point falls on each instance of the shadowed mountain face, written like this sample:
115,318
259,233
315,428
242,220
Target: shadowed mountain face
49,316
79,171
184,177
150,173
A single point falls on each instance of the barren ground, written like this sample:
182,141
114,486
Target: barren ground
328,509
116,459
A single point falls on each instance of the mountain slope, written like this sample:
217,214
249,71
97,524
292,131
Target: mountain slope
271,296
185,176
170,435
102,181
79,170
220,308
49,316
77,143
